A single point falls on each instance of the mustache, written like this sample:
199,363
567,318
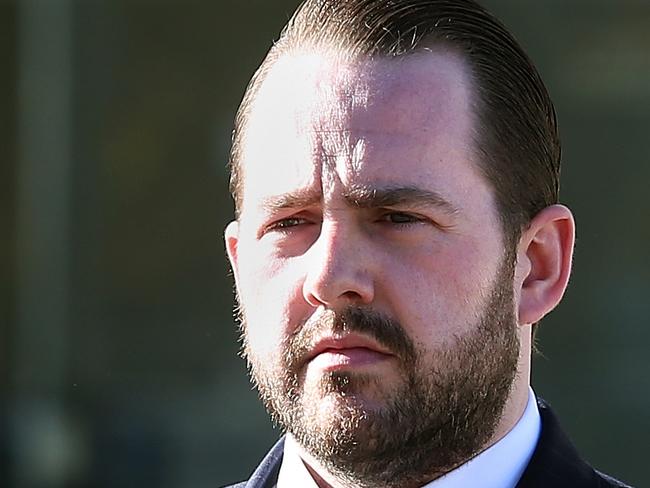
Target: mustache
386,331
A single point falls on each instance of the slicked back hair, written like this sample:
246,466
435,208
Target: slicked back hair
517,137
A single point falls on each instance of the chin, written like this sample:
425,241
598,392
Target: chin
343,394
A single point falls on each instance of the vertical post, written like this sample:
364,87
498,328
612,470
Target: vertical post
43,196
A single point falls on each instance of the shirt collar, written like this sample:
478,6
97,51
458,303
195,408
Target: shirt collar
499,466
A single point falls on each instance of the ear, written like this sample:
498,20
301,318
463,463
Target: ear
231,236
544,258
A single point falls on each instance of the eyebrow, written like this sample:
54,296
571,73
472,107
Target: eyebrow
393,196
291,200
365,197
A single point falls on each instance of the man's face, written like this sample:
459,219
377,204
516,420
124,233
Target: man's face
374,288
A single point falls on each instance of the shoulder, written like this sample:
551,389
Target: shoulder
266,474
557,463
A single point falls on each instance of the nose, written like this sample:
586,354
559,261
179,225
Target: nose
338,269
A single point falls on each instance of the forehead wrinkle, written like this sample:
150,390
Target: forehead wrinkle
340,148
334,156
333,97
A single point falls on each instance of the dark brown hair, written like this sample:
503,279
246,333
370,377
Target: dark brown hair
517,135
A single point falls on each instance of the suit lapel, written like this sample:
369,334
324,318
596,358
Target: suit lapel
556,461
266,474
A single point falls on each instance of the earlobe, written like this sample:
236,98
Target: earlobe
545,256
231,236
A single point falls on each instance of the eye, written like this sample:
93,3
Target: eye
288,223
400,218
283,226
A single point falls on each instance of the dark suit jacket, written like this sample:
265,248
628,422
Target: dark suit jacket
555,463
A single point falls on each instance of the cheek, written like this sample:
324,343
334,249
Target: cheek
440,293
270,296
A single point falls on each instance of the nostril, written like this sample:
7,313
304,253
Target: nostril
353,296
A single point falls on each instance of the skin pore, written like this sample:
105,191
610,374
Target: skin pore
378,303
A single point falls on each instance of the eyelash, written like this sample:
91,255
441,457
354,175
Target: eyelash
286,223
409,219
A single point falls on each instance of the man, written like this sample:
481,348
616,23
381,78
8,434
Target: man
395,170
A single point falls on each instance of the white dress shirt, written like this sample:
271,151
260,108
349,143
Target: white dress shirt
499,466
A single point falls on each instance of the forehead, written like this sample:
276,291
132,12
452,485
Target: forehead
318,113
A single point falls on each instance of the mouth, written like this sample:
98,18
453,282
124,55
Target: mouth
347,352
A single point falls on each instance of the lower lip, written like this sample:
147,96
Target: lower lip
354,357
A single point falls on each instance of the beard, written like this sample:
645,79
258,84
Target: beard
442,412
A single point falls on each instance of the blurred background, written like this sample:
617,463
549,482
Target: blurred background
118,352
